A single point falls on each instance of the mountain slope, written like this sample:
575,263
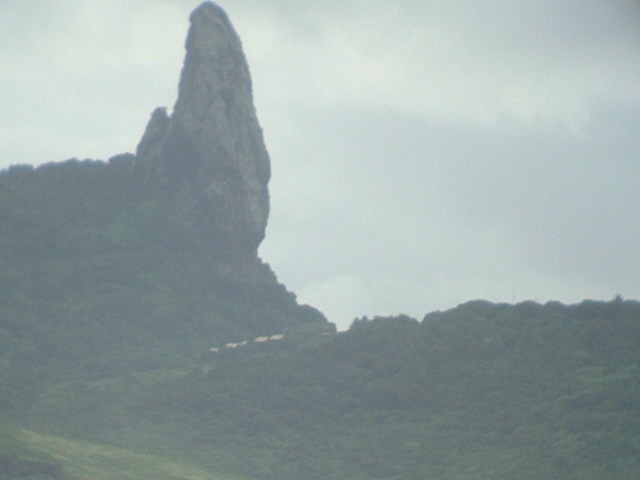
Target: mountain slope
97,279
118,277
20,460
90,461
145,261
483,391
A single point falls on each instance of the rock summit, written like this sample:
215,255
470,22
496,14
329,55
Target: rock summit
210,153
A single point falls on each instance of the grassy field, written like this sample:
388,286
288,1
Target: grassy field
90,461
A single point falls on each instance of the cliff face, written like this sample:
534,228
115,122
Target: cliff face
210,152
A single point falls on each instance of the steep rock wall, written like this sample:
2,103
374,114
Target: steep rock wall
210,153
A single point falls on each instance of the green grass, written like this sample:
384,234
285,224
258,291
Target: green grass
91,461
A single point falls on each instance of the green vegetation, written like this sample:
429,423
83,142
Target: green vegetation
26,455
483,391
100,278
90,461
20,460
108,307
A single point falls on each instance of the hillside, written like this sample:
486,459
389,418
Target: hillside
135,311
30,455
145,260
19,459
94,280
483,391
98,280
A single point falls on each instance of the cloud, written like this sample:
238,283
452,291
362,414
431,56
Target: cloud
489,64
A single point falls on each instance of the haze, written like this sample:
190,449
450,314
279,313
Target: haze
424,153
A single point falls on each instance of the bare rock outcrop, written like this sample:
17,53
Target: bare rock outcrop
210,151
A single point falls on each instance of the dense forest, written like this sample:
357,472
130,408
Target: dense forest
108,311
483,391
98,279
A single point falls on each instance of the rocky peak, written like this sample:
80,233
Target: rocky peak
210,152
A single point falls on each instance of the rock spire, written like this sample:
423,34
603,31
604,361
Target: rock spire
210,152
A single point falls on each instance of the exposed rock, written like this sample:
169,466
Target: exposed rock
210,152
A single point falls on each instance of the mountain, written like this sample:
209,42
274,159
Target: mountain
145,261
210,153
140,330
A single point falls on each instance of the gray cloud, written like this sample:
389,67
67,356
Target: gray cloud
424,154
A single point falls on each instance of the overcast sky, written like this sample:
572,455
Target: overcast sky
424,153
